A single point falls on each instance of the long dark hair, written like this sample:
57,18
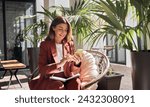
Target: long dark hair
59,20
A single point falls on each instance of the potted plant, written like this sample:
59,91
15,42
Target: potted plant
134,38
34,34
18,48
111,81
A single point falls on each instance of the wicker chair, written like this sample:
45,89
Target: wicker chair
102,63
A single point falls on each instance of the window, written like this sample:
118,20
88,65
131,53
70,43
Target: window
15,16
117,55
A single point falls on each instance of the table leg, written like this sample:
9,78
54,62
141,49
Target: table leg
11,74
15,73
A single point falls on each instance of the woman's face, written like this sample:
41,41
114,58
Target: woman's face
60,32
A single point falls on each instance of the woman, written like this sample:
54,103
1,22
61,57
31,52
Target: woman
57,58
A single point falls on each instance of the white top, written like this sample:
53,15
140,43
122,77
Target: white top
59,53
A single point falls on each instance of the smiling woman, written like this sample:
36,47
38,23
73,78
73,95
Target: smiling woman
57,58
60,32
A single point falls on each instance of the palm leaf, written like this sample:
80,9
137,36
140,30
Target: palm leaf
50,15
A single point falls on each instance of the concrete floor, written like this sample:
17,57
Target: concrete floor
126,82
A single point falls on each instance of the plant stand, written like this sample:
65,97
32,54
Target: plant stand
110,82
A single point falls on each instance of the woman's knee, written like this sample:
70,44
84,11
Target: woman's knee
56,85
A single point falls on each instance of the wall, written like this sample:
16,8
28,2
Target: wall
39,4
128,58
65,3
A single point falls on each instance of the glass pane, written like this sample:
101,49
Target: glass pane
111,53
17,18
1,34
121,55
116,55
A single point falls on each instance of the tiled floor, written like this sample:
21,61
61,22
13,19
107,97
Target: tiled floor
14,84
126,83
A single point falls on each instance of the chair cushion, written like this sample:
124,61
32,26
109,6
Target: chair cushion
88,70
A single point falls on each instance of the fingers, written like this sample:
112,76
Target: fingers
75,58
69,58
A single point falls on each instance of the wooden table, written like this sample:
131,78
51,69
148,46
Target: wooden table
10,65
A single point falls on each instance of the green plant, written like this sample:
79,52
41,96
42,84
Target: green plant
79,15
50,15
115,13
142,9
19,39
36,32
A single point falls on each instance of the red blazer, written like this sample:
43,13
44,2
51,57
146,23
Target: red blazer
48,55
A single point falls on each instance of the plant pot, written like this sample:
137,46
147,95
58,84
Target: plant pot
18,53
140,70
33,54
110,82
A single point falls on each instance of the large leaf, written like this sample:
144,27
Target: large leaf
111,16
39,30
50,15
